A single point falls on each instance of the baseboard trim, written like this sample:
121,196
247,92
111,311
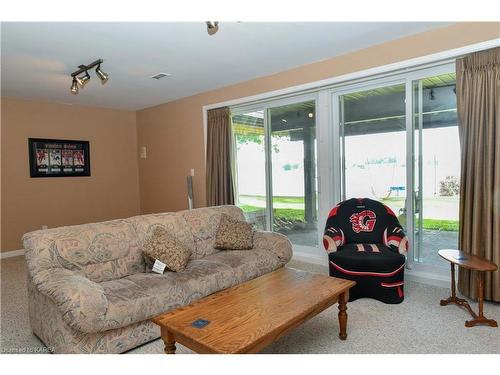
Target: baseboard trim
309,258
428,278
11,254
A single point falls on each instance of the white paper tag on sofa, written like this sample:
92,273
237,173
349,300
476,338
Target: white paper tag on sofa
159,267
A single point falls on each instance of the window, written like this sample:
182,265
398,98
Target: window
394,139
250,167
374,142
293,171
437,167
406,156
275,154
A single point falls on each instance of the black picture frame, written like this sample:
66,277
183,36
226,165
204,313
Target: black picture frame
58,158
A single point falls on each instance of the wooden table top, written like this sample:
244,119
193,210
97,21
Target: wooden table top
249,316
472,262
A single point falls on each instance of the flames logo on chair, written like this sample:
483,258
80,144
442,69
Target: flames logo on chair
363,221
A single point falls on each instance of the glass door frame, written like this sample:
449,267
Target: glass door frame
406,78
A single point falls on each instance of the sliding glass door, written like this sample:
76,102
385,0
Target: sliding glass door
437,167
293,170
275,168
373,129
399,144
250,166
393,139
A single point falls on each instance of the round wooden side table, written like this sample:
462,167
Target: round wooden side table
475,263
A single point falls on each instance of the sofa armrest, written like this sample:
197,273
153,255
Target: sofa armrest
277,243
82,302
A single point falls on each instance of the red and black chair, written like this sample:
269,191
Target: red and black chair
366,243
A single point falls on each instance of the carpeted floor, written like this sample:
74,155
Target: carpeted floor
418,325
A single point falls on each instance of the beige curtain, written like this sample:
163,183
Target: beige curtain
478,96
219,155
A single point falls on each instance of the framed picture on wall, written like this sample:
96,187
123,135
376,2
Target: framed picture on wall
58,158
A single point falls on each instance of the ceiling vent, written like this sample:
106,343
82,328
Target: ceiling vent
160,76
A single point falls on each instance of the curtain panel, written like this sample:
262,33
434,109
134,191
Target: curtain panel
478,96
219,179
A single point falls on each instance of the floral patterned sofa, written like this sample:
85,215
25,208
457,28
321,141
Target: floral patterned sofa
89,291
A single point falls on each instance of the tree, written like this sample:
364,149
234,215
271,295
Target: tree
258,139
449,186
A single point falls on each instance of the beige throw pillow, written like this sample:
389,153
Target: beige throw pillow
163,246
233,234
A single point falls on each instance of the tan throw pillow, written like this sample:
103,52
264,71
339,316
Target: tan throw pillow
163,246
233,234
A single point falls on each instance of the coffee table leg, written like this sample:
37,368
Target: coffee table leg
343,316
169,340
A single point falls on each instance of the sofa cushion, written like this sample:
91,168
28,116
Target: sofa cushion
171,222
203,223
99,251
246,264
164,247
145,295
276,243
142,296
233,234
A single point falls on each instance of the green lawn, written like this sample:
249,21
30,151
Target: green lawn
298,215
285,213
445,225
276,199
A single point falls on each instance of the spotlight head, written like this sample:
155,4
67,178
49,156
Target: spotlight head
82,81
74,87
212,27
103,76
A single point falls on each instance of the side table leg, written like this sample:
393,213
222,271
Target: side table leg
343,316
169,341
480,319
453,298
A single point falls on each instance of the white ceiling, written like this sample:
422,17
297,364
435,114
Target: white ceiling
37,58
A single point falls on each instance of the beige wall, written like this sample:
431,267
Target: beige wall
112,190
173,132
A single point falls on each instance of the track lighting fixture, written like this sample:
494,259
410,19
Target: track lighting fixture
103,76
83,80
74,87
212,27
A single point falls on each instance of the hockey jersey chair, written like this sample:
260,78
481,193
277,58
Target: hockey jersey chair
365,243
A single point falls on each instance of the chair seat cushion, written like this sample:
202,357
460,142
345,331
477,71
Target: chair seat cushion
369,258
377,270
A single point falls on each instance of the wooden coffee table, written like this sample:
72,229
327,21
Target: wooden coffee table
250,316
475,263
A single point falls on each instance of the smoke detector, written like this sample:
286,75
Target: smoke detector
159,76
